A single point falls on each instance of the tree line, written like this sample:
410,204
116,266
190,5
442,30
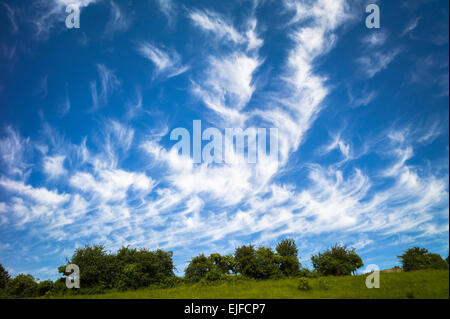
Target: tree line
131,268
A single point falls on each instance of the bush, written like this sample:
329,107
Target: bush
44,287
170,282
303,284
95,265
419,258
131,277
287,247
267,264
246,263
214,276
436,262
307,273
129,268
223,264
136,268
198,268
288,251
337,261
59,288
4,277
22,286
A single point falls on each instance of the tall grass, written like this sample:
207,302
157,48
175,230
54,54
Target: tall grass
423,284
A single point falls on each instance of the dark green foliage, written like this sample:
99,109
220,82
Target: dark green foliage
337,261
96,266
446,259
246,262
44,287
134,268
288,251
128,269
287,247
289,265
267,264
198,268
22,286
4,277
437,262
223,264
417,258
307,273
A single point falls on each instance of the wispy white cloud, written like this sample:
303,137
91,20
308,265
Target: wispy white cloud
13,149
375,38
411,26
39,194
118,21
363,99
216,24
167,7
54,166
12,17
108,83
167,63
374,63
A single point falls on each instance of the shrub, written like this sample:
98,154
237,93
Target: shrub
129,268
198,268
337,261
246,262
170,282
59,287
419,258
307,273
436,262
95,265
213,276
303,284
267,264
4,277
223,264
44,287
22,286
141,267
288,251
131,276
287,247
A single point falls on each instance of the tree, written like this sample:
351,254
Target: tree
223,264
267,263
4,277
96,266
22,286
198,268
134,268
337,261
287,247
44,287
246,262
288,251
417,258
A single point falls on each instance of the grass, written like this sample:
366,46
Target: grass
423,284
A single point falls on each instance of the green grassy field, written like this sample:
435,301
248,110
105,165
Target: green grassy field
425,284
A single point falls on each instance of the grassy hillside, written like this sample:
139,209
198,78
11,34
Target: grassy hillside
426,284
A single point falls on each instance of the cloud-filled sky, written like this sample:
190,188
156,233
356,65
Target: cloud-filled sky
86,116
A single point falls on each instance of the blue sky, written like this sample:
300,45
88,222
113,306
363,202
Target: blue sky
86,115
